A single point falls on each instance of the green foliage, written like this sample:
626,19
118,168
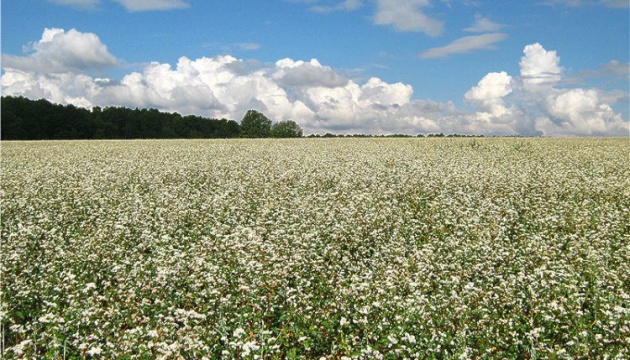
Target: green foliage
286,129
25,119
255,125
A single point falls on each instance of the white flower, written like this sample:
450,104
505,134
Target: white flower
46,318
88,287
409,338
95,350
249,346
238,332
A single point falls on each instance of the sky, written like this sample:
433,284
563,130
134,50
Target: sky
509,67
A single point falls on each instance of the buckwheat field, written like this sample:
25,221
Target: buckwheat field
419,248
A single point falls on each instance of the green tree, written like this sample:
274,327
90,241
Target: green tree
255,125
286,129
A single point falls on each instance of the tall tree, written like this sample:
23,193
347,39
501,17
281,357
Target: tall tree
255,125
286,129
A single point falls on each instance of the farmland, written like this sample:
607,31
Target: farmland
310,248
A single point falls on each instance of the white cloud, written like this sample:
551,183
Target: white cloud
539,106
311,74
314,95
407,15
493,115
62,88
539,66
376,92
489,93
319,97
483,24
580,112
465,45
150,5
60,51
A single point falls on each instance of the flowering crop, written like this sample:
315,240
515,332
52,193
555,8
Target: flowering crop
316,248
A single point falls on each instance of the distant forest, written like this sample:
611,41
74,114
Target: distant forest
26,119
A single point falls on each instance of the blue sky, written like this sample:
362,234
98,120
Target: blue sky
541,67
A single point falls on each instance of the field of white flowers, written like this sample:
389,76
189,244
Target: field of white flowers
316,248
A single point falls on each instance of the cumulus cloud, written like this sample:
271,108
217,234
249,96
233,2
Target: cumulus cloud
489,93
407,15
62,88
539,66
319,97
314,95
540,106
581,112
59,51
312,74
217,87
464,45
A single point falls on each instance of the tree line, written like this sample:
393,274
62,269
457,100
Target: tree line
26,119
